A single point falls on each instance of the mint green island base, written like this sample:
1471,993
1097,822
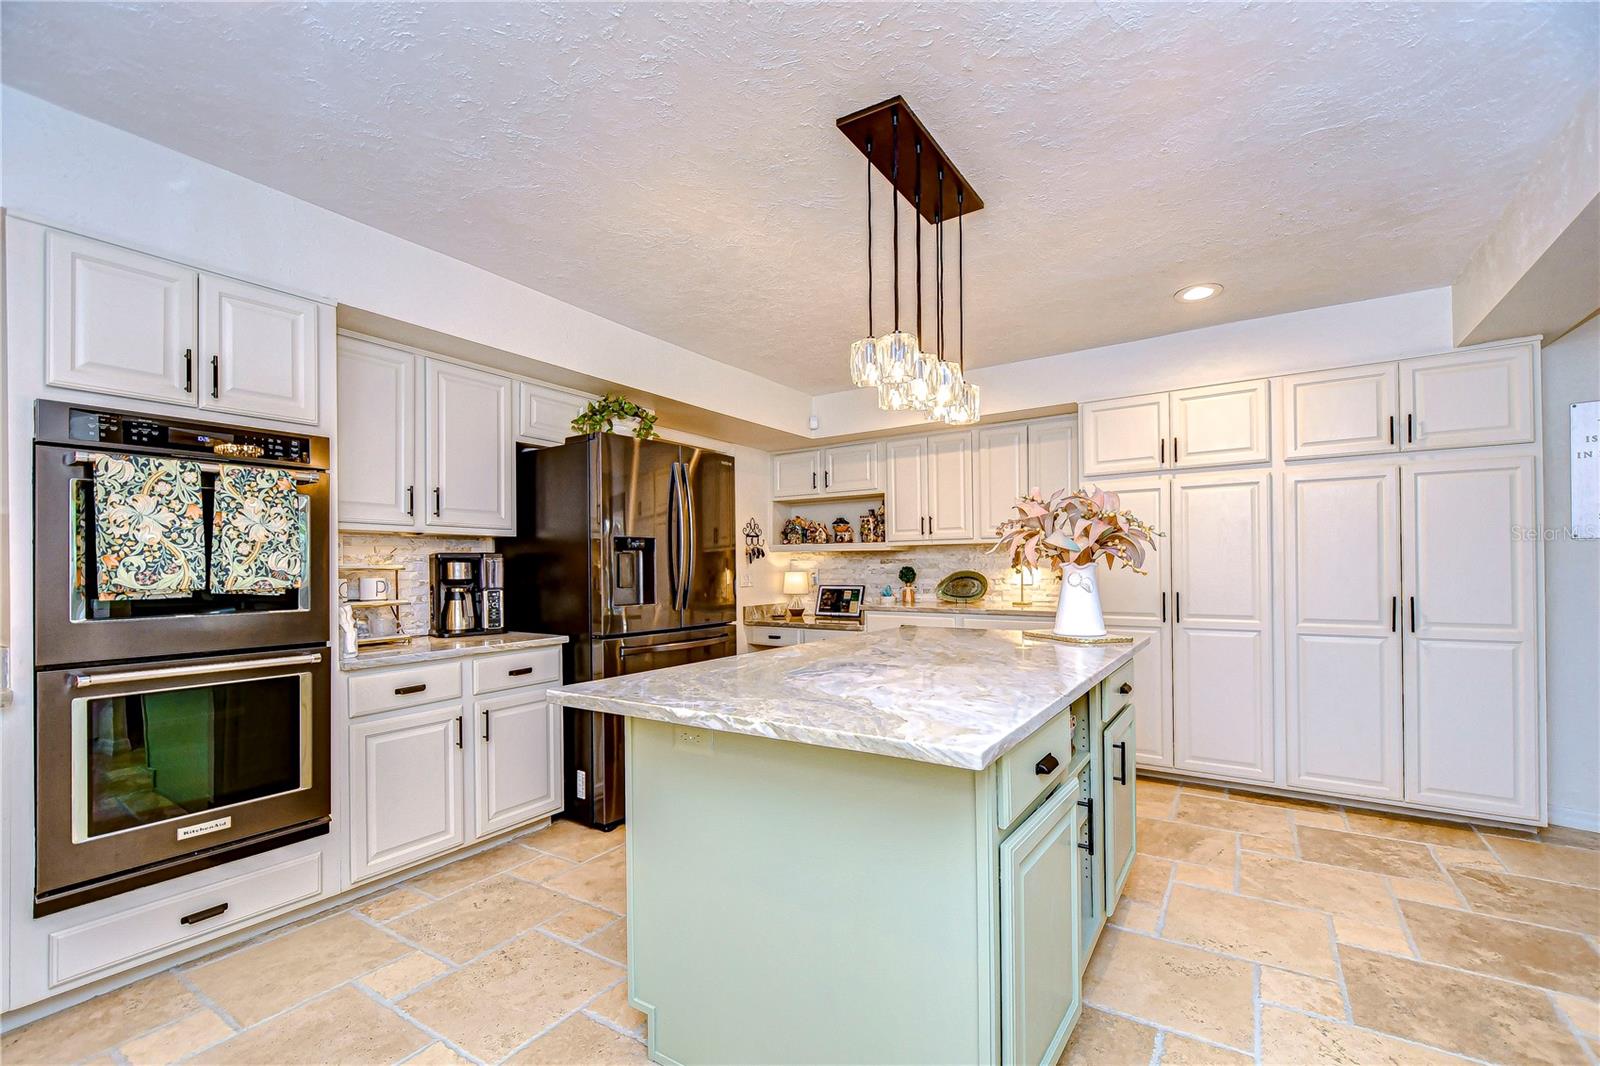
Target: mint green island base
790,902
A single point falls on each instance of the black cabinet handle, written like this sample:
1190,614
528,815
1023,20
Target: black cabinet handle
1088,804
1391,429
827,478
411,690
1174,449
519,671
1413,614
1177,608
436,504
411,500
813,479
1047,765
1163,457
1122,762
1127,687
216,378
1410,436
458,731
199,916
1163,606
1394,614
188,370
486,727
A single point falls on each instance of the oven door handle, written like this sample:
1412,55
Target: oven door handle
116,677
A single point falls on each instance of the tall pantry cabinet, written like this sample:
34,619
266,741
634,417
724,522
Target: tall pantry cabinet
1356,615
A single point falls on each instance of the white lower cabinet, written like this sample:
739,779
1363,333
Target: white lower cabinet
425,781
1040,994
1118,765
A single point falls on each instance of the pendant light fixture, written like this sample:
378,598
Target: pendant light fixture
963,410
908,373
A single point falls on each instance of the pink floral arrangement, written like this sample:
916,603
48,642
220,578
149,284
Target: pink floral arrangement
1075,529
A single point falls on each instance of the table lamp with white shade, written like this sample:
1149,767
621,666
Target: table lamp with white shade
796,584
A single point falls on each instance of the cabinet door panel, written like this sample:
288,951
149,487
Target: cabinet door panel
1127,598
906,493
851,468
1152,693
1002,474
1341,645
119,322
1222,661
377,446
545,415
1468,398
518,746
1123,436
950,491
1053,455
1039,916
260,349
406,797
1118,760
1221,425
1471,683
797,474
470,468
1341,412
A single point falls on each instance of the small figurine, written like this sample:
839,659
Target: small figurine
842,532
872,526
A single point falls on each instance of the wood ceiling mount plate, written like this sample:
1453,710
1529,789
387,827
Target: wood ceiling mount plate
874,124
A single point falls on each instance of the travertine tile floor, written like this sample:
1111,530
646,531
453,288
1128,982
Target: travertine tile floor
1252,929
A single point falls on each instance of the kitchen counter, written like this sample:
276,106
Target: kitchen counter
959,698
427,649
1001,605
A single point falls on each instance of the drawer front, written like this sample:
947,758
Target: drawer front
1114,698
119,939
1019,778
772,637
513,669
405,686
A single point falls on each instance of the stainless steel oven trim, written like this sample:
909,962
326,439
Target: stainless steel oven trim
304,477
80,738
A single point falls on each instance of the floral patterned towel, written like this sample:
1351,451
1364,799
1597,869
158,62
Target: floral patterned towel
260,532
148,527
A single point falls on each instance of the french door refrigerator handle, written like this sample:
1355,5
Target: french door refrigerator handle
691,543
674,535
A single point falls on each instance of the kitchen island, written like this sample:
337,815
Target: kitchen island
890,847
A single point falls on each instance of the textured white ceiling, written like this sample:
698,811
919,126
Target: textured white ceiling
675,167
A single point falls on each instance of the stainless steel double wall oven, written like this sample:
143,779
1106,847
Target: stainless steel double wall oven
172,734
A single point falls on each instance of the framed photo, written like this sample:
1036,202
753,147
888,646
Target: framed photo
840,601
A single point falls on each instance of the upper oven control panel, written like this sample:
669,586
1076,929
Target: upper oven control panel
179,437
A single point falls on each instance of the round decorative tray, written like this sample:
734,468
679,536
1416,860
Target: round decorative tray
963,586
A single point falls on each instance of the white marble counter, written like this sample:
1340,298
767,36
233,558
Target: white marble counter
426,649
952,697
1000,605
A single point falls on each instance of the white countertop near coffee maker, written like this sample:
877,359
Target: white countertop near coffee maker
428,649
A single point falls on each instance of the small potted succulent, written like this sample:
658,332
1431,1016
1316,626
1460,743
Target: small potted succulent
908,585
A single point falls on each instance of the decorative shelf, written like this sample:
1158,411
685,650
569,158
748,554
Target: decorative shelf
829,548
828,497
374,642
350,568
376,603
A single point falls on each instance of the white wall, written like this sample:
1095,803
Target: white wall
1572,592
67,170
1370,331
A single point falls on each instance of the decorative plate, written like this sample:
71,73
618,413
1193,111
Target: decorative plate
963,586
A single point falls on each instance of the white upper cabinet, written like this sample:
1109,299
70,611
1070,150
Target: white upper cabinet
1123,436
259,350
1053,455
1472,722
119,322
377,443
950,487
1342,646
1467,398
1222,625
906,491
1220,425
1002,474
1341,412
544,415
852,468
470,468
797,474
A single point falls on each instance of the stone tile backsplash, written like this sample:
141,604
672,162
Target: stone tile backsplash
410,552
932,564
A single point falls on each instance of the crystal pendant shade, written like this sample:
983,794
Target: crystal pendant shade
899,358
865,368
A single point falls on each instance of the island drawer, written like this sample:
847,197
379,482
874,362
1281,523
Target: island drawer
1118,692
372,691
771,636
513,669
1027,771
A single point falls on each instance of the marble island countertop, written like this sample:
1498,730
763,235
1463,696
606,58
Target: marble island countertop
426,649
951,697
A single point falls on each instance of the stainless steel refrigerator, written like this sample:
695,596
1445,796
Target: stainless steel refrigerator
627,547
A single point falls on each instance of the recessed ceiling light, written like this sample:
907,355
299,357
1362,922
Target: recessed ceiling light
1194,293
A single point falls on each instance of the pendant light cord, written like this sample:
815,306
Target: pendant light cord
916,221
894,200
938,267
961,282
871,332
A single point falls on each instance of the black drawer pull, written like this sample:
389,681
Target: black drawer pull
200,916
1127,687
1047,765
519,671
410,690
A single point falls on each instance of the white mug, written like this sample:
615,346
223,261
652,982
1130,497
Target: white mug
374,588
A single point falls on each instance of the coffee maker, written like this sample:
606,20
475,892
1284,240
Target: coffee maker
468,593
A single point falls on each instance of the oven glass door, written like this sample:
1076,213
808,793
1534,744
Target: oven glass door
162,754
